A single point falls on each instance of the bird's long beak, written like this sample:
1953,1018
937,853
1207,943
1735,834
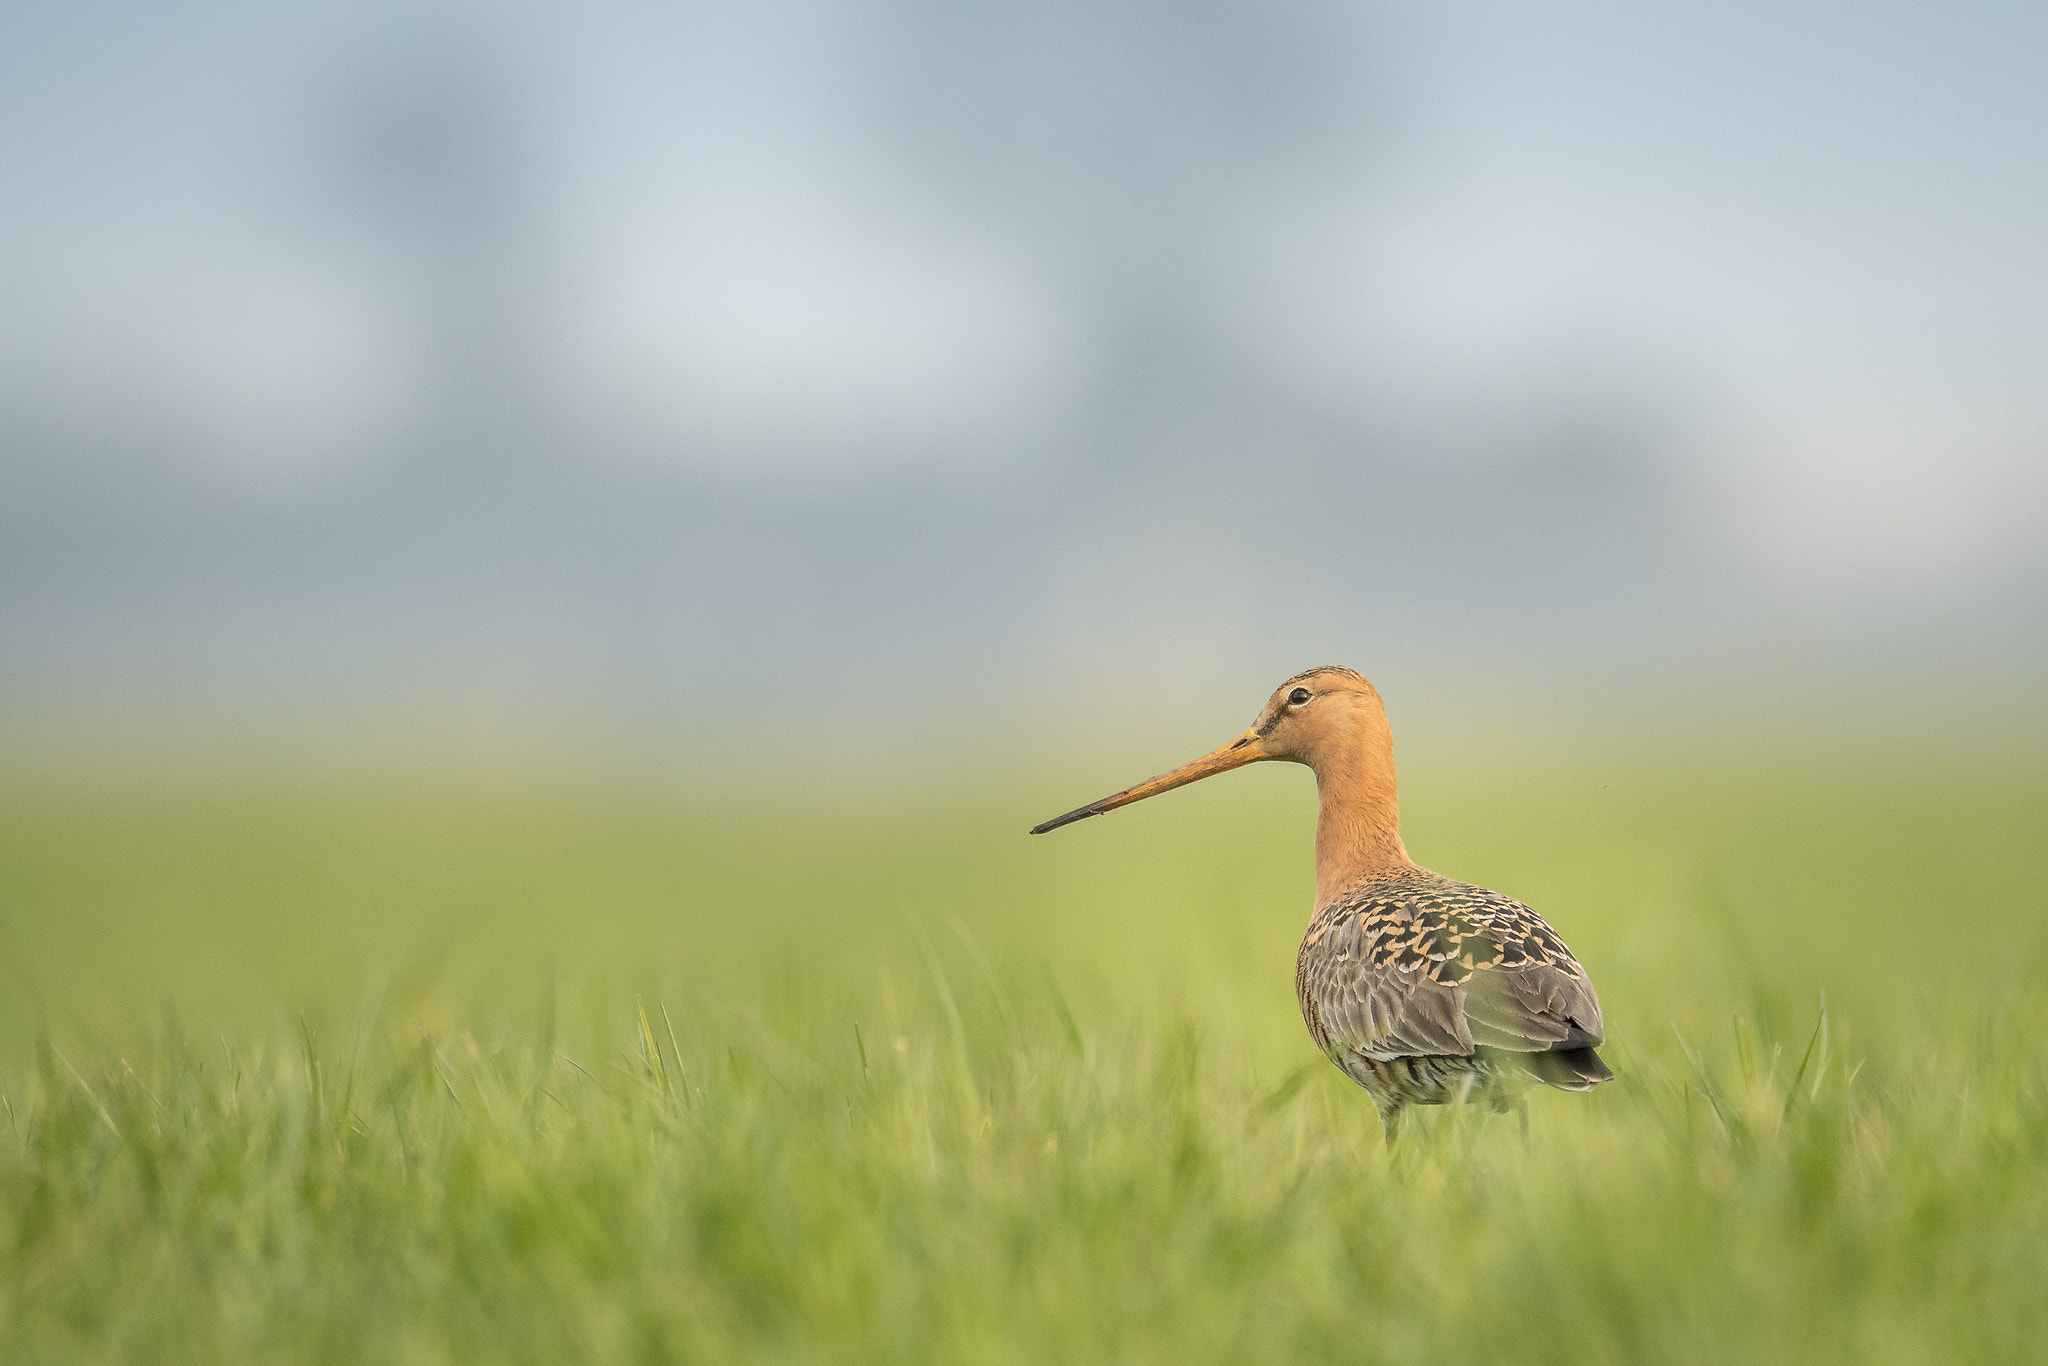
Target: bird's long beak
1243,750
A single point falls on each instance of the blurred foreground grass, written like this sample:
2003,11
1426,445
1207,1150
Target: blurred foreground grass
447,1070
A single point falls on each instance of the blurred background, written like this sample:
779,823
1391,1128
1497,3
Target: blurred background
574,379
523,525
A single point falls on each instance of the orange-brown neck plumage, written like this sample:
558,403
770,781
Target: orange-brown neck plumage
1358,832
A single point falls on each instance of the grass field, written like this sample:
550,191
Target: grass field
454,1070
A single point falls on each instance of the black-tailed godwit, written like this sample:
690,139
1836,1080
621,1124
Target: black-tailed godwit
1422,989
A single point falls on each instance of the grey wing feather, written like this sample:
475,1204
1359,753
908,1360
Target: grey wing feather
1433,1022
1381,1012
1532,1009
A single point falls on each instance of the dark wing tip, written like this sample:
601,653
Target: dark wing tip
1568,1069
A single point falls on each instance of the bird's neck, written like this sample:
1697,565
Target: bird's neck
1358,832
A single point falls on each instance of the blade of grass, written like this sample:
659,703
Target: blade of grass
1706,1087
682,1086
651,1051
76,1076
944,987
1792,1091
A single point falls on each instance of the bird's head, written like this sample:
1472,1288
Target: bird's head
1310,716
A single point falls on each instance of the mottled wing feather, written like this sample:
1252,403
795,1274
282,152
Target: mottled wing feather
1360,1007
1423,966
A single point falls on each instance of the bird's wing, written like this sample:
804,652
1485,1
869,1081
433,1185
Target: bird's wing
1431,966
1532,1009
1353,1002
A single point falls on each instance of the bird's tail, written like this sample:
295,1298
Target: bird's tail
1569,1069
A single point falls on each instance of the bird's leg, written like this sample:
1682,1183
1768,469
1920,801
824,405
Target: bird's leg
1390,1119
1501,1099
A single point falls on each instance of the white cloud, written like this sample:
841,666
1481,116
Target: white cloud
1871,506
261,371
808,336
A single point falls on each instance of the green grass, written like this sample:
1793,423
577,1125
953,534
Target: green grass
453,1071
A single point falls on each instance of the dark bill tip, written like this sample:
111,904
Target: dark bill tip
1234,755
1079,813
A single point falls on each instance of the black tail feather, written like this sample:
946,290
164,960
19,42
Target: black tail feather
1569,1069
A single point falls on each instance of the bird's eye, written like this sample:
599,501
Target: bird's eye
1297,697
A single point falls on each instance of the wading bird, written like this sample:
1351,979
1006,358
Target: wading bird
1423,990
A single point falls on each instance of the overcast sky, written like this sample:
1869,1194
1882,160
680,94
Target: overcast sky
595,359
